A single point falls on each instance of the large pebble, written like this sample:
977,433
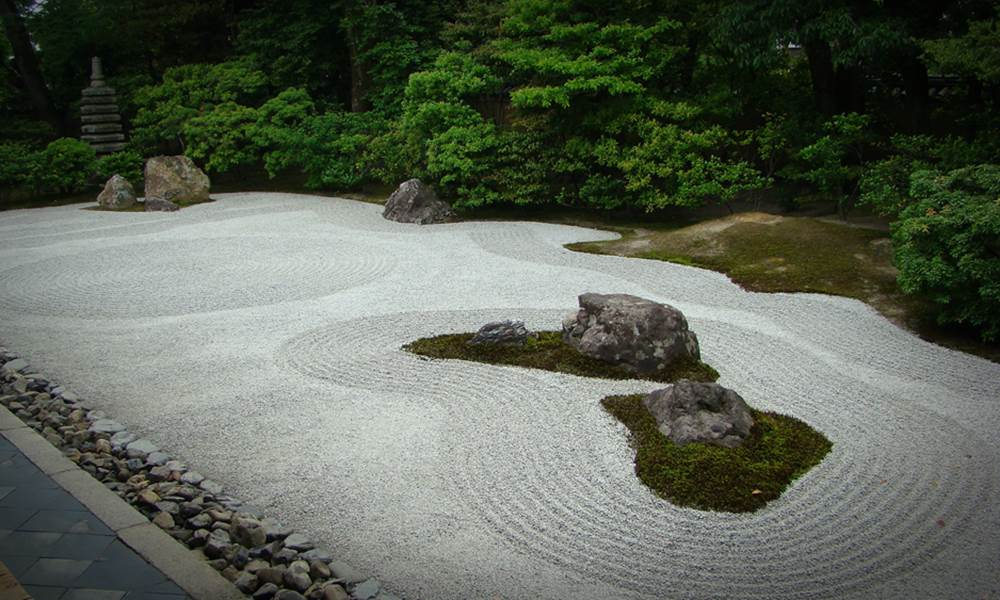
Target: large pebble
192,477
140,448
18,364
298,542
366,590
265,592
247,583
211,487
106,426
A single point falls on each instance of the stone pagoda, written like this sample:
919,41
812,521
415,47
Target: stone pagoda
102,122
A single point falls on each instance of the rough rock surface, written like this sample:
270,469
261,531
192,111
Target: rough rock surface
637,334
689,411
155,203
175,178
414,202
502,332
118,194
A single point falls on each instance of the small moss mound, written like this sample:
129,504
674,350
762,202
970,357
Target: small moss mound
779,450
140,207
549,352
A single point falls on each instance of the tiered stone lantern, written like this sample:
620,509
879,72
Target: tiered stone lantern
102,121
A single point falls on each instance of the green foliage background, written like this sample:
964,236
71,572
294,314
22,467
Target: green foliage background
636,105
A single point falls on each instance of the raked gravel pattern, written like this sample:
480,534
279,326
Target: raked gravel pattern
258,339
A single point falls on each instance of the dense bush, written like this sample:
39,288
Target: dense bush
885,183
127,163
66,165
947,245
164,112
16,167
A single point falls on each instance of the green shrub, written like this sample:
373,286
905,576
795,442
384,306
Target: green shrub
189,91
947,245
833,162
127,163
66,165
885,183
222,137
16,167
332,150
278,131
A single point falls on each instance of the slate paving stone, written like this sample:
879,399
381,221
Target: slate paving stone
46,544
85,594
55,571
57,549
12,518
39,592
80,545
120,568
66,521
41,498
28,543
19,471
168,588
18,565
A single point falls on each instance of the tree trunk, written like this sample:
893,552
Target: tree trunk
27,66
359,78
824,82
836,89
850,83
690,60
916,84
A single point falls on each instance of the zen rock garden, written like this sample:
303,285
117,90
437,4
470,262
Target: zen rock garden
646,339
171,182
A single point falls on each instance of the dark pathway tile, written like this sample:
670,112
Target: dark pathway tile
4,490
17,565
55,571
40,592
65,521
28,543
19,471
40,498
12,518
120,568
88,594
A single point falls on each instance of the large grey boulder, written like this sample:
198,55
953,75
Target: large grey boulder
636,334
502,332
176,179
414,202
117,194
689,411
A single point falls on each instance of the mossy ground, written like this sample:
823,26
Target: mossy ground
780,449
549,352
768,253
139,207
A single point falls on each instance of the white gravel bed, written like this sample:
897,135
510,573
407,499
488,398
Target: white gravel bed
258,338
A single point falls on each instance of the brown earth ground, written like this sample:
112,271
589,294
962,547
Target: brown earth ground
764,252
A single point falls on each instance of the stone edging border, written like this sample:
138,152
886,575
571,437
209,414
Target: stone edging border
160,508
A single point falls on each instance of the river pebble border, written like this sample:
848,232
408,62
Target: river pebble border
263,559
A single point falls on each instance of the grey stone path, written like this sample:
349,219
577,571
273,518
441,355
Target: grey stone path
58,549
257,338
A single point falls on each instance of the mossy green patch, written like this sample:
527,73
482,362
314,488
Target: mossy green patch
549,352
768,253
140,207
779,450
